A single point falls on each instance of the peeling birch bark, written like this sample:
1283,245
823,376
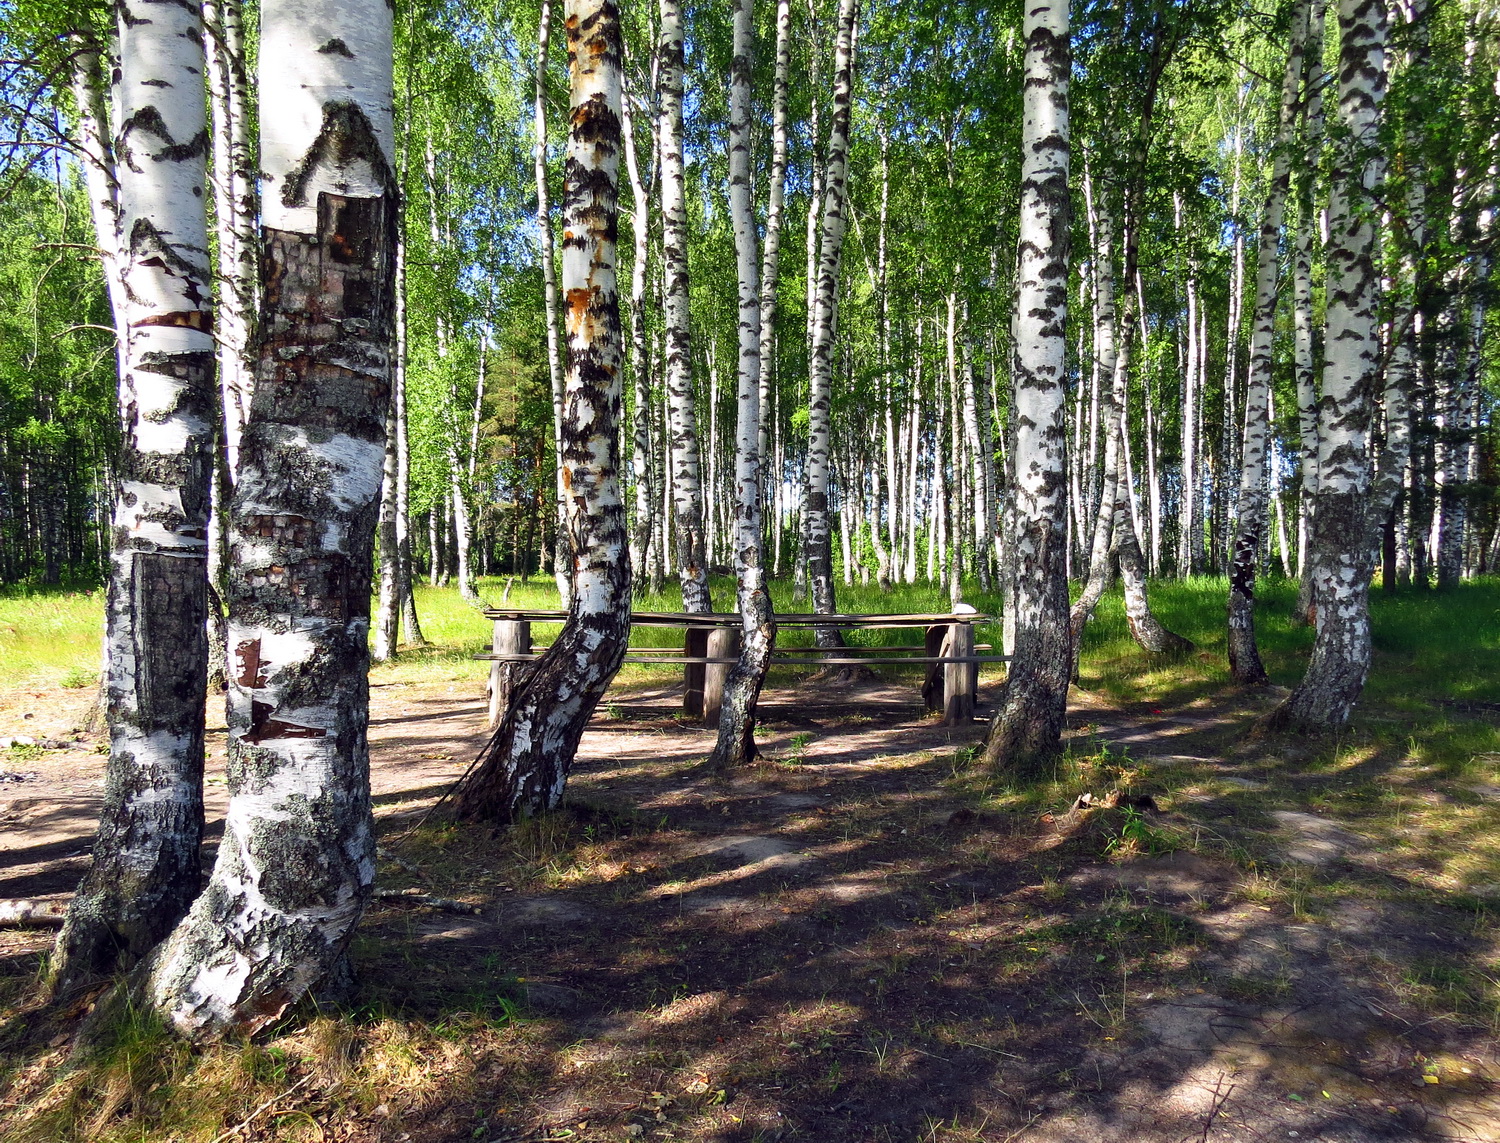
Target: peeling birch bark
524,768
145,869
296,864
1027,729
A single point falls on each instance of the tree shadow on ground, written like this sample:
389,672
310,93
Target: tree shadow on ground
842,948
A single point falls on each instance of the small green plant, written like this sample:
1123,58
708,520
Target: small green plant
1137,835
797,748
25,751
76,678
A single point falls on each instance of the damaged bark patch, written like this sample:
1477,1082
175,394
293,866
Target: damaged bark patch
346,137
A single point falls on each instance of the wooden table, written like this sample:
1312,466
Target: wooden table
711,647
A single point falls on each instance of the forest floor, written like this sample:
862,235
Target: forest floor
863,937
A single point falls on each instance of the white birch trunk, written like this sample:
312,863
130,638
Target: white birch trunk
736,741
820,381
145,866
1341,544
237,213
297,860
1026,733
524,768
1304,360
1244,655
640,352
687,492
562,558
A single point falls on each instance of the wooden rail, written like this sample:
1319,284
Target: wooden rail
711,647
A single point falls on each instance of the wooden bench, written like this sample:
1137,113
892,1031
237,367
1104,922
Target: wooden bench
711,647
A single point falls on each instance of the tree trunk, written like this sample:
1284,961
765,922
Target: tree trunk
236,209
297,860
687,494
1303,334
736,742
145,868
523,769
640,352
562,558
1244,656
770,270
1341,545
820,381
1027,730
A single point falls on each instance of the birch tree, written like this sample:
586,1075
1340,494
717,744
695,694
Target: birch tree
523,769
1244,656
296,862
1340,547
736,742
1027,730
687,492
820,379
555,365
145,867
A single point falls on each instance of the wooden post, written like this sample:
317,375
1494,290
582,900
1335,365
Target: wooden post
723,643
958,678
695,645
512,637
932,686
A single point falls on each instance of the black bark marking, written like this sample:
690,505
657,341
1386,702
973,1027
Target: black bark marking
346,136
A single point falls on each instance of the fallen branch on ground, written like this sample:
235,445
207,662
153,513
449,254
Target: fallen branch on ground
417,897
22,914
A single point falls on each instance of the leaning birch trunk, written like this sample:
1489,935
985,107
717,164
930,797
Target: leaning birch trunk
687,492
297,860
524,768
820,380
1341,547
1102,534
1027,730
1244,656
145,868
561,557
736,742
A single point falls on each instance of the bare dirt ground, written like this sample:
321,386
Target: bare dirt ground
856,940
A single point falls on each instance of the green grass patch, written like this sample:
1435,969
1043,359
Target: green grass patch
50,637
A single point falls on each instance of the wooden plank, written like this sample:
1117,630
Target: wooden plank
680,660
733,619
932,685
511,645
723,650
959,676
694,658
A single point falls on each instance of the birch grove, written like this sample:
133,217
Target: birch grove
1178,312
